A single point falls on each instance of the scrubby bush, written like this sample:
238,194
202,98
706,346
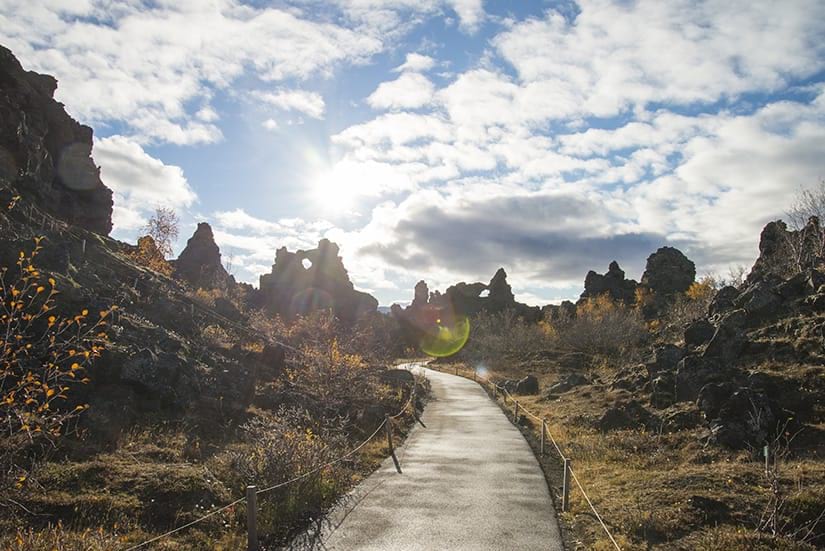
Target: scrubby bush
374,337
44,354
216,336
147,254
282,447
686,308
505,336
601,326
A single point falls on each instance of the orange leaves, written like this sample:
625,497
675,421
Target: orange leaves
43,352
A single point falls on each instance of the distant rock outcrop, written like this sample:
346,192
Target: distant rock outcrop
612,283
200,262
423,316
46,153
470,299
668,272
293,288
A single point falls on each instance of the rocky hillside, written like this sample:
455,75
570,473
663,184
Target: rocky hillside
667,427
217,372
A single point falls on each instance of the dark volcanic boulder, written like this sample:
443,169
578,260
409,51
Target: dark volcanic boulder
662,391
46,153
712,398
631,378
625,416
567,383
668,272
760,300
723,300
694,372
200,262
612,283
273,360
698,333
746,419
729,339
528,385
663,359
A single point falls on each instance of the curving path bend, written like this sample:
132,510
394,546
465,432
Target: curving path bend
470,482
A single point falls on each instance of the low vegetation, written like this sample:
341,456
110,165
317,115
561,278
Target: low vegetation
112,467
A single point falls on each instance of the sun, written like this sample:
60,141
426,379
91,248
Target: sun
332,191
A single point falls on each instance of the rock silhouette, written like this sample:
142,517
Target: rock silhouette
668,271
612,283
293,289
46,153
199,263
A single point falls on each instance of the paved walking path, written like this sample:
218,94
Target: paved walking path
469,482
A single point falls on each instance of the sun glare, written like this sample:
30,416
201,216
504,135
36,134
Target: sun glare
332,191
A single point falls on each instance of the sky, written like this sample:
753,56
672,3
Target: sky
443,139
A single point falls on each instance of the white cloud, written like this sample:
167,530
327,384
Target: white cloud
416,63
270,124
616,55
409,91
143,65
394,129
470,13
139,181
308,103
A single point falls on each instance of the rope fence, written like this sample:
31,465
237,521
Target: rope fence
568,472
252,492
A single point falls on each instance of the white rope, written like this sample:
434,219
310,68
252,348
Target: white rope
187,525
325,465
276,486
558,449
595,512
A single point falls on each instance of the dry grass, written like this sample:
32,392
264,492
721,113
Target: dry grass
650,487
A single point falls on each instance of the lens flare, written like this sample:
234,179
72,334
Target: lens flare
447,338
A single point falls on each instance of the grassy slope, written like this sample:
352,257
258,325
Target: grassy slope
142,470
649,487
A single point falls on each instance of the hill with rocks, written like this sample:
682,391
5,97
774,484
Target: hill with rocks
666,393
136,391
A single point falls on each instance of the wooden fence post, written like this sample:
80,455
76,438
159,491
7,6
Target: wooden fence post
251,518
456,370
543,430
515,411
565,488
388,426
767,452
